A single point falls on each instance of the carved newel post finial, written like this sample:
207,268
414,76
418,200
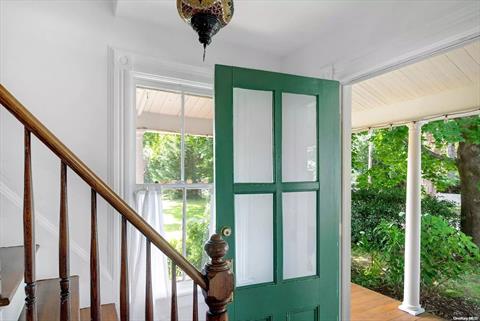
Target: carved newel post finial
219,279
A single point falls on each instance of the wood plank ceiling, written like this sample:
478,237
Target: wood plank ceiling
445,83
170,103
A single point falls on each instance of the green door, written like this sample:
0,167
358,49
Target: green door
278,179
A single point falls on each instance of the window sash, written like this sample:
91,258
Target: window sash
182,184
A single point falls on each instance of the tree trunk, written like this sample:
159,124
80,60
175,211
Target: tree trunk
468,162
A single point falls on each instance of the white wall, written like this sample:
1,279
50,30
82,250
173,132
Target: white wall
53,58
373,38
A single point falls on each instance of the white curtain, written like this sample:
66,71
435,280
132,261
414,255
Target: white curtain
148,204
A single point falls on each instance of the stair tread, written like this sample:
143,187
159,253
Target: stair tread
11,272
48,300
109,313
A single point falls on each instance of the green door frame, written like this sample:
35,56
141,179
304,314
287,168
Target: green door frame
327,185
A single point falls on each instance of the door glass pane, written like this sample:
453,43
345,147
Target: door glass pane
198,139
254,238
299,234
299,138
252,136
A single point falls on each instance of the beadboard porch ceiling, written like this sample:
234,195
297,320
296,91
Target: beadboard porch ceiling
443,84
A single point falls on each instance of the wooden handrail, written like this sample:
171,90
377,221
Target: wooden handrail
97,184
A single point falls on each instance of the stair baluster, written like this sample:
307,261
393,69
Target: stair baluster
174,305
64,248
95,310
124,286
216,281
29,233
148,285
195,303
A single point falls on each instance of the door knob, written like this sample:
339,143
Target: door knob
226,231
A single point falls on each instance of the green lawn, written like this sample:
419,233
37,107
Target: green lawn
197,209
468,287
198,212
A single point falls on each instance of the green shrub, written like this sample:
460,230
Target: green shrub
197,236
445,247
446,254
371,206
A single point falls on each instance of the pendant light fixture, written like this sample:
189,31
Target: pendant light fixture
206,17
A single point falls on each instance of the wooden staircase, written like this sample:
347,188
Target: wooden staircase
108,313
11,273
48,300
58,298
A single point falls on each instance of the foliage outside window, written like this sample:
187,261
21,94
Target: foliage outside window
181,163
162,153
450,235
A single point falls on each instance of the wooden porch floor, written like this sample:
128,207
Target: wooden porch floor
368,305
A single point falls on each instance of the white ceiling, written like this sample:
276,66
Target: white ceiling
160,110
443,84
283,27
170,103
346,39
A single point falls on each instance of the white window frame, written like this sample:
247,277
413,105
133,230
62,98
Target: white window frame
122,64
178,87
125,70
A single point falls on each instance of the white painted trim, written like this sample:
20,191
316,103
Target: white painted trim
159,187
452,115
126,70
346,82
45,223
129,70
170,83
2,40
413,57
345,223
115,7
2,111
116,99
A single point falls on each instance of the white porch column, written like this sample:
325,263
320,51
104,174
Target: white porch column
411,293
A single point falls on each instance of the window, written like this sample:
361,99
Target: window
174,153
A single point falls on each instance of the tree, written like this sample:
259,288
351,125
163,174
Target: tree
446,173
163,158
389,168
466,133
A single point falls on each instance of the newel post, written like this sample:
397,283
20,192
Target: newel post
219,278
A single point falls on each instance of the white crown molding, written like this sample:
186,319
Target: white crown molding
145,64
45,223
